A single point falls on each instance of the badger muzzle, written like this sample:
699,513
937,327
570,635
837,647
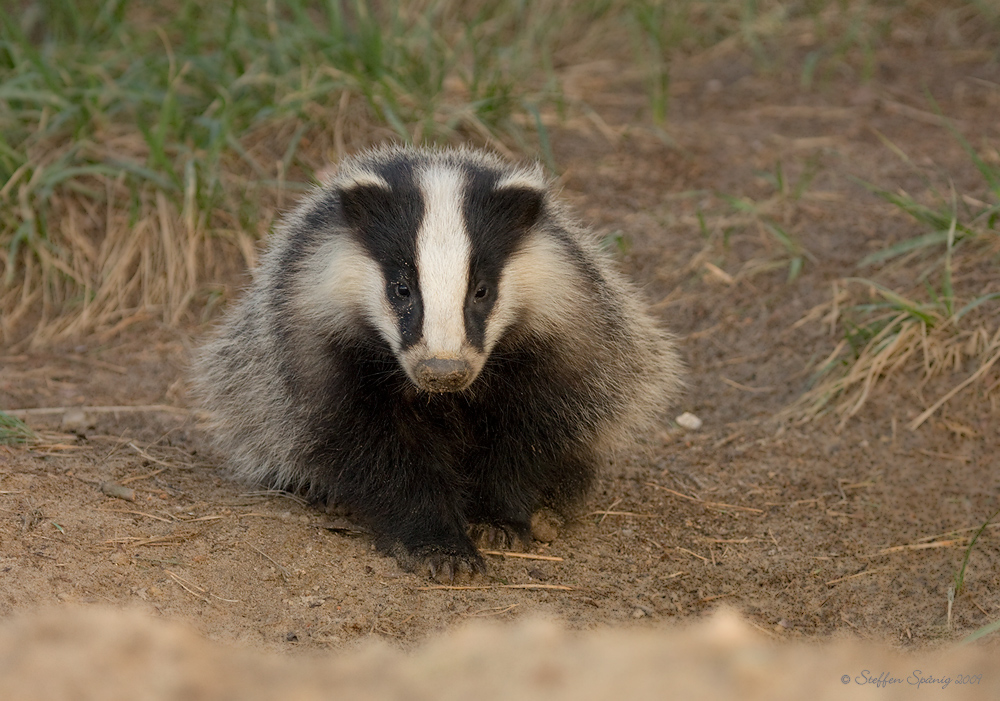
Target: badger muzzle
443,374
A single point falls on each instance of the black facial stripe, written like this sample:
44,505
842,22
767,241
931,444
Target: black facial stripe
497,221
477,312
385,223
409,311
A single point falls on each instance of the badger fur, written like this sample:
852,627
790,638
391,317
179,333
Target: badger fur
432,343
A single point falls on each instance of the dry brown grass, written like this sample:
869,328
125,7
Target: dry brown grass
888,336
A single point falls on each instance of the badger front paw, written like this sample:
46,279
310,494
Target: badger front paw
443,567
442,562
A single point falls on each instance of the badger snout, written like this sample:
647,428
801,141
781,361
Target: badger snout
442,374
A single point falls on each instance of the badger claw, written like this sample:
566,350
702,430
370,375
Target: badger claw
442,565
491,536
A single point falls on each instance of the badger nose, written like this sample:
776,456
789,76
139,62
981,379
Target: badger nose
442,374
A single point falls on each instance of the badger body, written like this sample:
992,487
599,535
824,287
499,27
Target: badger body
432,343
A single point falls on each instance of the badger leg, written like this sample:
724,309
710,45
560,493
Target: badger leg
414,510
507,496
500,504
427,533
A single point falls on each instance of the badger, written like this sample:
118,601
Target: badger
431,343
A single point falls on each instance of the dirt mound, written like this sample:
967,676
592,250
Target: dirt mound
106,654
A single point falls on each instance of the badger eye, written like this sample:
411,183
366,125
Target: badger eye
402,289
481,292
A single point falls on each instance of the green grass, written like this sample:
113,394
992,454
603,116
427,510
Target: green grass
762,219
960,573
13,431
959,583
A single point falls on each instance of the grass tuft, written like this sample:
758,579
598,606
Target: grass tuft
13,431
940,315
960,574
765,227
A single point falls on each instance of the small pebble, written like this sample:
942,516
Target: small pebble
118,491
119,558
689,421
74,420
537,574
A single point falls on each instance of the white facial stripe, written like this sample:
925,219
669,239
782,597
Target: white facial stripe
342,281
443,252
370,179
538,280
529,180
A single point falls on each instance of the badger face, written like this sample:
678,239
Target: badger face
431,243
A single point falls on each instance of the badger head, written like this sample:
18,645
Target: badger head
432,252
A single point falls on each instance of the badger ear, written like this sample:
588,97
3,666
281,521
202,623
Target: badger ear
521,205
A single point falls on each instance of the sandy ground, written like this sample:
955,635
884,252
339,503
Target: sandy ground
798,528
